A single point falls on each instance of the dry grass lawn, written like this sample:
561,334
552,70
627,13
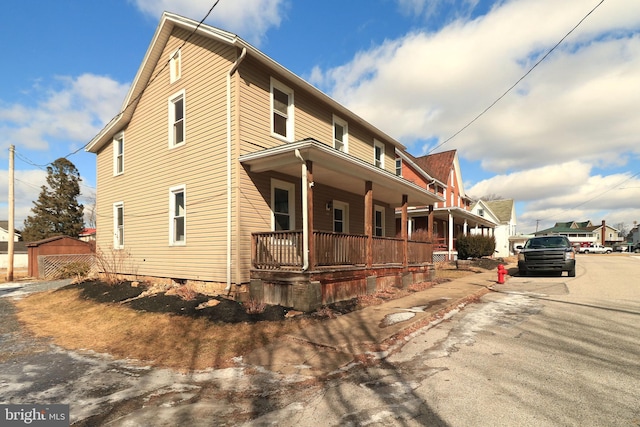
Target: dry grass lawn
172,341
178,342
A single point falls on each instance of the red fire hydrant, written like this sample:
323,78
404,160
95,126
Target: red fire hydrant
501,273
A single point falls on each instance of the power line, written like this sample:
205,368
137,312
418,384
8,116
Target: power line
517,82
166,64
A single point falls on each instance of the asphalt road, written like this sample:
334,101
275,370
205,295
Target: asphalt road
540,351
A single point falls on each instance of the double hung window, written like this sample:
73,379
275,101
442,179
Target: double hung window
281,111
177,119
118,154
378,154
118,225
178,216
340,135
378,221
282,205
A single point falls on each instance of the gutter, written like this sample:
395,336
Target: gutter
305,213
232,70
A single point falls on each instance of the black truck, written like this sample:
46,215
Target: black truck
547,254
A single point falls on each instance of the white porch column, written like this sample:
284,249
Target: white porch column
450,245
465,227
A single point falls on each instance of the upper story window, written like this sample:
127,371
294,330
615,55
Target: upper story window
398,166
118,225
378,153
281,110
177,216
175,66
480,212
177,119
118,154
340,134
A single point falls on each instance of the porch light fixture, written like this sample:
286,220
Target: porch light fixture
329,205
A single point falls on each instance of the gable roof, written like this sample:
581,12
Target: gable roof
438,165
503,209
168,22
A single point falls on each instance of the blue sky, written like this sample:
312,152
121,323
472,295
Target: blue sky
564,144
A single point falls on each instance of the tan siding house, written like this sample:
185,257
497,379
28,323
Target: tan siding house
223,169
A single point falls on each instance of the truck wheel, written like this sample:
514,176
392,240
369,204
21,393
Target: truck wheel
572,273
608,252
586,252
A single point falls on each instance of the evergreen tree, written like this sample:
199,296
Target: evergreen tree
57,211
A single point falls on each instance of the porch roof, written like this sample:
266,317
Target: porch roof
457,213
337,169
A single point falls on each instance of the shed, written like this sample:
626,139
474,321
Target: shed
58,245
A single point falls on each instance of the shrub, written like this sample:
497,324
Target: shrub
76,269
113,262
475,246
254,307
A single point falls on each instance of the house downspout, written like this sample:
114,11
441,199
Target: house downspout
232,70
305,214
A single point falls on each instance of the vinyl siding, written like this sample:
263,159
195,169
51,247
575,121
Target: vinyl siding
151,169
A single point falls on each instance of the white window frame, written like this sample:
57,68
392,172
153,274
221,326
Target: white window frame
382,227
378,162
345,136
337,204
118,157
118,229
290,120
291,188
173,191
399,166
175,66
172,118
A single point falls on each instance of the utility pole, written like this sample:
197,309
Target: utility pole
11,209
537,222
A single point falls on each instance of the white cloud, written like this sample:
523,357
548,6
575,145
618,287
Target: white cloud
73,111
428,85
574,114
251,19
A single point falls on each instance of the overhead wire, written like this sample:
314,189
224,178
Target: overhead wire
517,82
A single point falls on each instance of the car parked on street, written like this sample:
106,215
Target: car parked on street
547,254
595,249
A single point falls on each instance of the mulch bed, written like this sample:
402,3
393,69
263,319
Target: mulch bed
227,311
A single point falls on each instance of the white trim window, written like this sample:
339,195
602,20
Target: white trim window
398,166
118,225
177,126
118,154
175,66
378,153
378,221
340,217
177,216
283,216
282,109
340,134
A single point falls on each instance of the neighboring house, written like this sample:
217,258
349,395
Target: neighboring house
585,233
4,232
87,234
228,170
452,216
20,258
503,213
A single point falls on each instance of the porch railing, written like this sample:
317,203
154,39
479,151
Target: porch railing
283,249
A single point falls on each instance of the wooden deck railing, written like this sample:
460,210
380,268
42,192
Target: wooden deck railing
283,249
277,249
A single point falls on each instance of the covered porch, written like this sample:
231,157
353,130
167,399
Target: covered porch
448,224
321,262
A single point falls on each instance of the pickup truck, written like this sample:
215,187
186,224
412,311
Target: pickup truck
547,254
595,249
